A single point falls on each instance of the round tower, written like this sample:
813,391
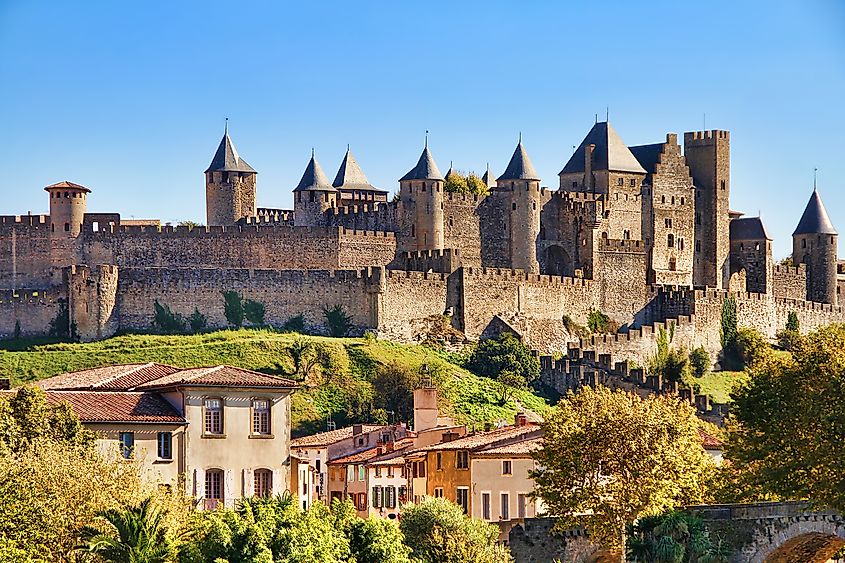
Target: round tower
230,185
313,197
67,208
421,194
523,183
814,243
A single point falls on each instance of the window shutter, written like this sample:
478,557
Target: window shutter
199,483
276,485
249,483
228,489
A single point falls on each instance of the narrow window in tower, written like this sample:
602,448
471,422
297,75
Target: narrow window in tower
413,234
682,201
574,184
698,218
673,200
626,234
803,243
534,206
723,184
681,243
670,240
663,199
741,247
672,264
756,246
450,221
67,227
604,234
698,246
831,240
633,182
513,206
620,182
423,186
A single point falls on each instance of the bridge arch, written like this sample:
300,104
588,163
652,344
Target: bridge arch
811,538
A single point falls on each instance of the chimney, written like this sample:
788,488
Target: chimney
5,384
357,429
425,408
588,166
448,436
488,426
388,447
520,419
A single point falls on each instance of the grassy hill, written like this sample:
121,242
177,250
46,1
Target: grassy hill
471,399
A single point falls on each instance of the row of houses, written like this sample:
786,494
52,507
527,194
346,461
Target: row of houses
225,433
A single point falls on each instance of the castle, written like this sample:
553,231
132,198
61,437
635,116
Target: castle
644,234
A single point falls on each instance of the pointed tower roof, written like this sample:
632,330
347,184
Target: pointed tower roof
314,178
227,159
489,179
350,176
610,153
426,168
520,167
450,172
815,219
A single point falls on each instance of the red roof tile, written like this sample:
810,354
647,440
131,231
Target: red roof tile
331,437
66,184
122,377
710,442
105,406
523,448
483,439
371,453
219,376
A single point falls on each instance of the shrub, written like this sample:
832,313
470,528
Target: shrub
167,321
396,384
601,323
197,321
506,359
792,322
233,308
254,312
789,339
751,346
295,324
303,355
727,331
337,321
333,360
700,362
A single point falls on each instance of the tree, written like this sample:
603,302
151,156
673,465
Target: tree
197,321
377,540
612,457
136,534
166,320
700,362
786,425
727,330
27,417
333,360
396,384
295,324
673,537
303,356
456,183
61,325
750,346
233,308
438,531
504,354
16,335
337,321
254,312
792,322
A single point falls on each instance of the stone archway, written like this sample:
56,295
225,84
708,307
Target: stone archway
811,539
558,262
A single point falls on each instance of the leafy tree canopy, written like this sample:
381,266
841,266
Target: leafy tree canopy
461,183
615,457
787,423
338,322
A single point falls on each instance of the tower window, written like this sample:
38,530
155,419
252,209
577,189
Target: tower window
698,246
682,201
423,186
681,243
513,206
803,242
620,182
673,200
673,265
626,234
413,229
663,199
67,227
633,182
574,184
534,206
756,246
723,184
670,240
698,218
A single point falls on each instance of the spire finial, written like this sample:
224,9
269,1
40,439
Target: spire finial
450,165
597,118
226,127
607,114
347,147
312,152
815,171
426,138
520,137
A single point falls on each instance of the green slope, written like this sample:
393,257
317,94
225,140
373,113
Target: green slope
471,399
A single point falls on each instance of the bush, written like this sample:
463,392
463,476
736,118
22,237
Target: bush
789,339
254,312
337,321
295,324
333,360
461,183
792,322
700,362
233,308
396,384
197,321
167,321
600,323
751,346
506,359
303,356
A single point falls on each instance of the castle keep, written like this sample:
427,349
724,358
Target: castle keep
644,234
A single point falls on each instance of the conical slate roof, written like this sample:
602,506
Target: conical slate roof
350,176
610,153
450,172
426,168
815,219
489,179
314,178
226,159
520,167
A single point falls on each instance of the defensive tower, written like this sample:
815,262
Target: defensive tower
708,155
814,243
229,186
523,183
313,196
421,194
67,213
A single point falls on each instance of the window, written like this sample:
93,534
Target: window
362,501
438,492
377,497
485,506
574,184
462,461
506,467
350,473
362,473
439,461
127,444
670,240
418,469
620,181
261,416
403,493
390,471
680,243
673,200
378,471
413,234
213,488
663,199
682,200
263,483
698,218
698,246
626,234
667,223
317,465
165,445
723,184
803,243
213,416
506,507
756,246
67,227
521,505
390,497
462,498
633,182
672,264
513,206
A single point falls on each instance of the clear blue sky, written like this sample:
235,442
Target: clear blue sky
129,98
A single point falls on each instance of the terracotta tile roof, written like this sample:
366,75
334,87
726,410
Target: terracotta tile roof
117,378
107,406
66,184
517,449
483,439
710,442
330,437
219,376
371,453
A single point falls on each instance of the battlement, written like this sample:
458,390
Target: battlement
412,275
619,245
24,220
29,295
705,137
464,198
445,260
810,306
271,230
580,196
505,274
257,276
799,270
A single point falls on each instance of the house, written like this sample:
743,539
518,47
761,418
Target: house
226,429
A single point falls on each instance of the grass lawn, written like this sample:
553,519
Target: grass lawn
719,384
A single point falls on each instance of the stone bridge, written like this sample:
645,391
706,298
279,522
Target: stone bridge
783,532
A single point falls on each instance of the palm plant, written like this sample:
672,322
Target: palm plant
141,536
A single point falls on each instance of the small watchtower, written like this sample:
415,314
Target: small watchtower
229,186
421,194
523,183
67,208
814,243
313,196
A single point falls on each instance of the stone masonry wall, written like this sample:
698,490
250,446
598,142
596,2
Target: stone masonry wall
790,282
25,248
34,309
